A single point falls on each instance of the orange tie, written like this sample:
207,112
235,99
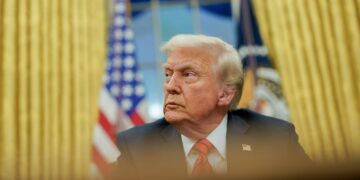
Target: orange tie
202,165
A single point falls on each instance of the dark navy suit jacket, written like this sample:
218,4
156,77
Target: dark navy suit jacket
256,145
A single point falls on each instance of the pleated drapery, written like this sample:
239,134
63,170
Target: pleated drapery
52,59
316,48
52,56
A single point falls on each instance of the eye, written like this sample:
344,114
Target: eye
189,74
167,76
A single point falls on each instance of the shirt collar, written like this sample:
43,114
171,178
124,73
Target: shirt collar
217,137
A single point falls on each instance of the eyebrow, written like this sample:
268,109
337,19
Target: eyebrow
187,65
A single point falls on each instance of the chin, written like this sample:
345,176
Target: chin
173,117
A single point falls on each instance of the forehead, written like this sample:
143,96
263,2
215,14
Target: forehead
189,57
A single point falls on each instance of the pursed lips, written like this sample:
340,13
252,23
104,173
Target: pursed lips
172,105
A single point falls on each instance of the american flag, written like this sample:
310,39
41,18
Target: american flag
122,104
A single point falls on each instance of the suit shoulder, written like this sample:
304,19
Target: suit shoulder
139,138
144,130
257,119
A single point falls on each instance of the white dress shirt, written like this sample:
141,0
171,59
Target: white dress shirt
217,156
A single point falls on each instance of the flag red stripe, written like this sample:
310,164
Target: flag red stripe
105,124
136,119
100,162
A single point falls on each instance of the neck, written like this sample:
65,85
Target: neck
199,129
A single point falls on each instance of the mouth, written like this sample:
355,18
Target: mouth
172,105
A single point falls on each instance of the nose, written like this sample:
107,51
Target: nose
172,85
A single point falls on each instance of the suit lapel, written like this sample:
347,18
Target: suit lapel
173,154
241,146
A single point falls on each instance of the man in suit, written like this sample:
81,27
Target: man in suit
202,133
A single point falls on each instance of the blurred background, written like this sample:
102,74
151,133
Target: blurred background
73,73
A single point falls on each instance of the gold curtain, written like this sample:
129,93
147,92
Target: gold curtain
316,48
52,56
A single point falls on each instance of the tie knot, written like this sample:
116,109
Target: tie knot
202,146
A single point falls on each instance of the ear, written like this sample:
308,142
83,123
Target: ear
226,95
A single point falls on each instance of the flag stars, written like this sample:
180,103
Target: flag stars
129,62
123,80
139,90
129,34
129,48
116,76
115,90
117,62
118,33
119,8
117,48
126,104
128,75
127,90
119,21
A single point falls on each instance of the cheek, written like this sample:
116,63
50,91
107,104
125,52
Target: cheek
201,97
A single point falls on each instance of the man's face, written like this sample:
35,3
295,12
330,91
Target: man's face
191,86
